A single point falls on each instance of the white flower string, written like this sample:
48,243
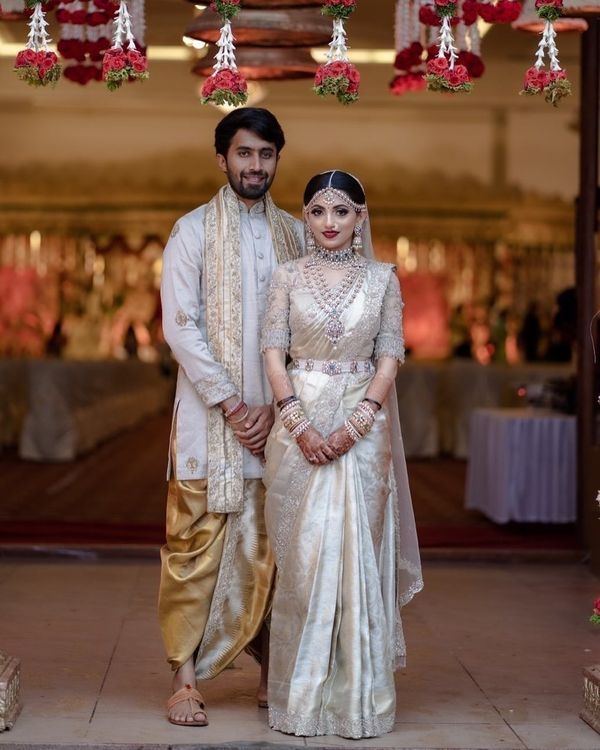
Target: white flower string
13,6
138,21
122,33
38,38
225,57
338,48
410,42
474,39
446,43
102,31
401,24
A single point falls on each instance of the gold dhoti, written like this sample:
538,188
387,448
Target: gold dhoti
216,579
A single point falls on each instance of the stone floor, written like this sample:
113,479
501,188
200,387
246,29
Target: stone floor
495,658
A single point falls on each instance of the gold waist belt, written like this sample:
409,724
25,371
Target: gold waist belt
332,366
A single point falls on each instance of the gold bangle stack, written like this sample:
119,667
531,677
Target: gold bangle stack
360,421
294,419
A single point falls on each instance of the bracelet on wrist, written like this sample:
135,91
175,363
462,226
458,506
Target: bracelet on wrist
352,432
286,400
300,429
372,401
234,409
241,419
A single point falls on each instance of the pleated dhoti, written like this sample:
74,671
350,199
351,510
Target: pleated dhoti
217,576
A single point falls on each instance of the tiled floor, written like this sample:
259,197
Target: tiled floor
495,658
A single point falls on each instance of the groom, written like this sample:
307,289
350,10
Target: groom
217,568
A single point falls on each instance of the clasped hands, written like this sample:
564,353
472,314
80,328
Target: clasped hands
253,431
319,450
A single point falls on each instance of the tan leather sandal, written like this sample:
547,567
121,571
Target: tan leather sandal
191,695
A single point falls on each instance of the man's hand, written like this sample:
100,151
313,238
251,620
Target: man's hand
314,447
253,431
340,442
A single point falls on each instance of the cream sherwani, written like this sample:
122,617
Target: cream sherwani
217,569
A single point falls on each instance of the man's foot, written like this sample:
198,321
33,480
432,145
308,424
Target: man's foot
261,697
186,708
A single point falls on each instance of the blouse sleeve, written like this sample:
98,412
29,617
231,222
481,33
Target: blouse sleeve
390,339
275,332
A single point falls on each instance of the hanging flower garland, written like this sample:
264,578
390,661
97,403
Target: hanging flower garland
36,64
120,64
408,64
503,11
12,10
443,71
226,85
553,83
85,35
338,76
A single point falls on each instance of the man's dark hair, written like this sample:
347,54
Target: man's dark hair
259,121
336,179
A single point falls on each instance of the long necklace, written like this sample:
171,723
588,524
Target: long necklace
333,301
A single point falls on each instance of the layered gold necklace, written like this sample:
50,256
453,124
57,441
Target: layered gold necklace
333,301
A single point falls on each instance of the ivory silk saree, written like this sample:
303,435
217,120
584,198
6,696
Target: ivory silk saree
343,534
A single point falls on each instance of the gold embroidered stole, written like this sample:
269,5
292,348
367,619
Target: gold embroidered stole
223,287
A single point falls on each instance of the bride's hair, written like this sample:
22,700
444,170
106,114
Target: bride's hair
338,180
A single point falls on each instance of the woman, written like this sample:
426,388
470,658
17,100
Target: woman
338,506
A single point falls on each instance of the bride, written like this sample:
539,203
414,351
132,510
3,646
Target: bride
338,506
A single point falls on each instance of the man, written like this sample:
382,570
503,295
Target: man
217,568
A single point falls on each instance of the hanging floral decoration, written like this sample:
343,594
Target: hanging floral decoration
227,9
503,11
338,76
37,65
123,61
553,83
85,35
225,85
12,10
409,64
444,72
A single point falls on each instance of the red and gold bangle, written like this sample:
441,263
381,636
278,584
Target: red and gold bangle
235,408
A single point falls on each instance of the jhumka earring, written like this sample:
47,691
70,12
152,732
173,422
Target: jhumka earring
357,239
309,239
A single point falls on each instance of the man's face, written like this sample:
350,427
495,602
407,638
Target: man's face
250,165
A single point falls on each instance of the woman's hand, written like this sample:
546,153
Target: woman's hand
340,442
315,448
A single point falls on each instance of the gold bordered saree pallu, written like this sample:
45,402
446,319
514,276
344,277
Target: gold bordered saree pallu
223,285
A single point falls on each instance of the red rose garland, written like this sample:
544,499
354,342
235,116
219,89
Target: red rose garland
338,76
36,64
120,64
504,11
443,73
86,29
553,83
225,85
409,63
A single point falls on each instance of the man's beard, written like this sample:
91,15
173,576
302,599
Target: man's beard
250,192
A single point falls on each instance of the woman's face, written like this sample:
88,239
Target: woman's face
332,223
